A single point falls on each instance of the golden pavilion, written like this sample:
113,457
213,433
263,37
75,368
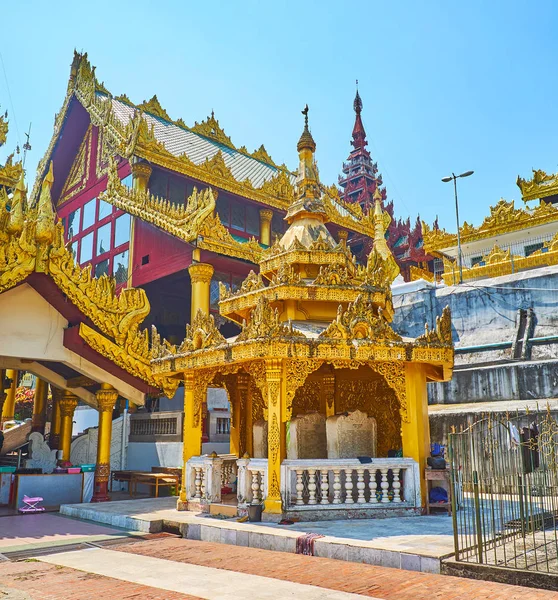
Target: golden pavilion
315,343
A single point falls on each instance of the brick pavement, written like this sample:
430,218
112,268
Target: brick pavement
49,582
367,580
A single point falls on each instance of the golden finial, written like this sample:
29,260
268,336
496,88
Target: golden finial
44,233
306,140
15,221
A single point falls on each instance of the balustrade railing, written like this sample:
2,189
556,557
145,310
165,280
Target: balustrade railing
308,484
251,481
156,427
348,483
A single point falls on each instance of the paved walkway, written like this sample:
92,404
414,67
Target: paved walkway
171,568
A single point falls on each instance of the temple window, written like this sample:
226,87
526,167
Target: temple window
128,181
231,281
239,216
99,234
531,248
174,188
278,225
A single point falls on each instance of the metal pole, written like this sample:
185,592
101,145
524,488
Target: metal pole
458,234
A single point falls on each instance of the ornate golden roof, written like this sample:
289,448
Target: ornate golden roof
540,185
31,240
136,135
503,218
10,172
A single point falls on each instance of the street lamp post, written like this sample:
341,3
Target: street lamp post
454,178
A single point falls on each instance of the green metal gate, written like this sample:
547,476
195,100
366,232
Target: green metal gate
504,477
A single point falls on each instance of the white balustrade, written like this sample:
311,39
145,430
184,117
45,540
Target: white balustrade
251,481
204,478
348,483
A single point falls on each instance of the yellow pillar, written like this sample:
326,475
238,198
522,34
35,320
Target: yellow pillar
415,432
39,406
68,404
55,419
3,394
200,276
106,399
9,403
247,416
192,433
234,439
276,439
342,236
265,226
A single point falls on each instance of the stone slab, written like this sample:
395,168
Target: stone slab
307,437
352,435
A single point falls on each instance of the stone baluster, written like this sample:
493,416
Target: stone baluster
197,483
396,485
299,487
255,487
360,486
312,486
349,487
324,487
373,485
385,486
337,486
262,486
203,487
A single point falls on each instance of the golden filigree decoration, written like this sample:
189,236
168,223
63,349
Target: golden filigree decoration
503,218
4,129
394,375
79,171
541,185
211,129
360,321
265,323
153,107
274,438
201,333
441,335
297,372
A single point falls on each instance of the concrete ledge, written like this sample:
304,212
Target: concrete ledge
414,552
534,579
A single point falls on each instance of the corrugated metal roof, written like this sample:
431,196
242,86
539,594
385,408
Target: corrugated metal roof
199,149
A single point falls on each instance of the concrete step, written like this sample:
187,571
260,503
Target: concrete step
226,510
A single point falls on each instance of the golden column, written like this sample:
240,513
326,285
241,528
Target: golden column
55,419
249,418
68,404
3,394
238,421
200,276
276,438
192,433
106,399
265,226
415,431
9,403
39,406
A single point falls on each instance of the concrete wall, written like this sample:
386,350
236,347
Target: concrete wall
143,456
486,312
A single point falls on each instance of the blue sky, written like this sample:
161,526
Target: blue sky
446,86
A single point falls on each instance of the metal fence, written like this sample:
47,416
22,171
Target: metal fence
505,492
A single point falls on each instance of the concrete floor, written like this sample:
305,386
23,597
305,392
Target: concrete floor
26,532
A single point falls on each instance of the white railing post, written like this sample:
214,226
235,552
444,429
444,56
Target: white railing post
243,482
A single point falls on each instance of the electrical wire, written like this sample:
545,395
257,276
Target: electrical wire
10,98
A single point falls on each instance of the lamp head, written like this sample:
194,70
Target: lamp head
466,174
446,179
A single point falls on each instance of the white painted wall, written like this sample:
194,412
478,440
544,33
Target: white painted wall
142,456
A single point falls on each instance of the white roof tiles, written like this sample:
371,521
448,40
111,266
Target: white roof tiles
199,149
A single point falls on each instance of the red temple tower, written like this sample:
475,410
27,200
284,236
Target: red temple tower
359,181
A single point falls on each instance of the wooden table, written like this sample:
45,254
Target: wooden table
431,475
125,476
156,480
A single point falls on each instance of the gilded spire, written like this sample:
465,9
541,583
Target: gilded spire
15,222
306,140
44,232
